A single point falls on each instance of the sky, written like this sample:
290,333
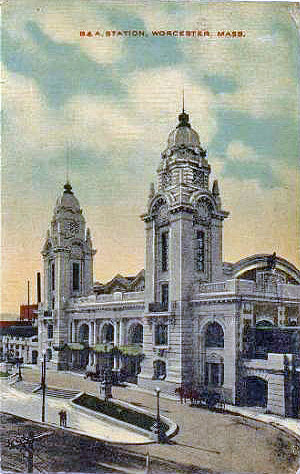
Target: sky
109,104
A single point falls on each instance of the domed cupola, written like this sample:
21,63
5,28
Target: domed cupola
67,222
184,160
183,135
68,201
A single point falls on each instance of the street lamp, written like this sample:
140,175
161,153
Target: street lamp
19,363
43,384
158,415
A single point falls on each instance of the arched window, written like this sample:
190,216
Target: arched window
50,331
108,333
49,354
159,370
135,335
34,356
84,333
200,251
214,335
161,334
75,276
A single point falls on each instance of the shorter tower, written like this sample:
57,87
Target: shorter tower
183,224
68,272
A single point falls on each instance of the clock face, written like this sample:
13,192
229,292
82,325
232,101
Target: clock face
71,228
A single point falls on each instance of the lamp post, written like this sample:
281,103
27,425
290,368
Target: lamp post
19,363
158,415
43,384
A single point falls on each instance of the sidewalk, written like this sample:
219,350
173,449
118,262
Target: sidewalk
28,405
221,442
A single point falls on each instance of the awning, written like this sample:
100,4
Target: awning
131,350
75,346
103,348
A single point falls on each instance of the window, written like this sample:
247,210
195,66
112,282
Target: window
164,251
76,275
53,276
50,331
161,335
84,333
136,334
159,369
199,251
214,374
214,335
165,295
49,355
108,333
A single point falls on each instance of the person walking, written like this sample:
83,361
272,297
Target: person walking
65,419
61,418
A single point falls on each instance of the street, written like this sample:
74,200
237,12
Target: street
206,439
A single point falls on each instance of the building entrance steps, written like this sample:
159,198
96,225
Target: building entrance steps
28,387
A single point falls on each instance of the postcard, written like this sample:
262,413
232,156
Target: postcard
150,317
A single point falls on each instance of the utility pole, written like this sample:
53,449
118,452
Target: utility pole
26,443
43,384
28,298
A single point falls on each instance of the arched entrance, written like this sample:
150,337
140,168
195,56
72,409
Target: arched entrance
84,339
256,392
135,334
263,338
212,340
107,336
132,356
34,356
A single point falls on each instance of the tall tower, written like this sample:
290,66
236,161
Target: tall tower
183,225
68,271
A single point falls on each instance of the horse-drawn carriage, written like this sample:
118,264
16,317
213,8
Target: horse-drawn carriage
203,396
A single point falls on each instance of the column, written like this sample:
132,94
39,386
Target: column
116,333
121,341
116,343
121,333
91,334
91,358
73,336
95,332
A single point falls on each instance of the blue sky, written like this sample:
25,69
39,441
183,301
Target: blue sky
110,103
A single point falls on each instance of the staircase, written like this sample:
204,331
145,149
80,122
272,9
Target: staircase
29,387
59,392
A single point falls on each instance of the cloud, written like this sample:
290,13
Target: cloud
238,151
111,105
59,69
242,163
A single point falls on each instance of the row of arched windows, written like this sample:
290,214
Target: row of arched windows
214,334
135,333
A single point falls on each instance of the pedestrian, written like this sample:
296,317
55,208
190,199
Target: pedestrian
65,419
61,418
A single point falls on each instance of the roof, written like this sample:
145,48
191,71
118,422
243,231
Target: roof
119,283
19,331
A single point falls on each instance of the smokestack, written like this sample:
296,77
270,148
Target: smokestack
38,287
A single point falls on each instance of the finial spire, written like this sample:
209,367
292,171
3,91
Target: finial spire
183,117
68,164
67,186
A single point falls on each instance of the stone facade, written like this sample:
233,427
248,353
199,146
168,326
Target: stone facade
187,319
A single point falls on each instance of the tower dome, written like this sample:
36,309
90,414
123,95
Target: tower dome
183,135
68,200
